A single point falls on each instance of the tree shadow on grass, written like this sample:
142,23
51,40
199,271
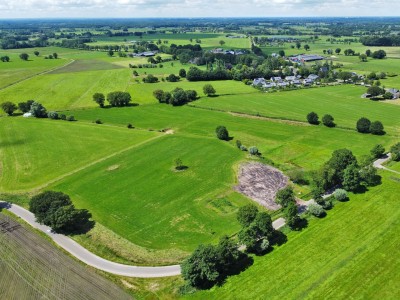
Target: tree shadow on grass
301,224
278,238
241,265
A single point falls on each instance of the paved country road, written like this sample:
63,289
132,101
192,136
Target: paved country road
97,262
88,257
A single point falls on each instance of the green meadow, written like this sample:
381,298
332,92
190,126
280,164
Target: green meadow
348,254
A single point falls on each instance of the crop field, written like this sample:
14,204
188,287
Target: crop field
32,268
30,158
348,254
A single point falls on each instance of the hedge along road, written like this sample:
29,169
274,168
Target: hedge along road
97,262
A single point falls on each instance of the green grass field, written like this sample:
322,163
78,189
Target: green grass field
35,151
348,254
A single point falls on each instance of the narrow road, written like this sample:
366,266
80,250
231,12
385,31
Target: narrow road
88,257
97,262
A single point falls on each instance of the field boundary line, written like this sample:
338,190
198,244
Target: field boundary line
37,74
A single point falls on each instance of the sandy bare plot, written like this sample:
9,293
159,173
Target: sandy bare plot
260,183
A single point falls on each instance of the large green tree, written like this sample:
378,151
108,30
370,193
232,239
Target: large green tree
8,107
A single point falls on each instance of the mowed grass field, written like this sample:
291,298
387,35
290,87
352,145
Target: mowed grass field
348,254
35,151
344,103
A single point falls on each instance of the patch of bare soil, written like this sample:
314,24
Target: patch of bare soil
290,122
169,131
112,168
260,183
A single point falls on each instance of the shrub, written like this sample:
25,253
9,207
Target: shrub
238,144
25,106
119,98
312,118
222,133
129,126
327,120
297,176
209,90
340,194
363,125
98,121
395,152
316,210
52,115
150,79
243,148
63,117
172,78
377,151
253,150
191,95
72,118
376,128
182,73
37,110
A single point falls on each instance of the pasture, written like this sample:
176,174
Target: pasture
35,151
345,255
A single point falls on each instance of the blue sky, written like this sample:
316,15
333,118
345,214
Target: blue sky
195,8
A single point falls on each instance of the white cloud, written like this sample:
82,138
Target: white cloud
196,8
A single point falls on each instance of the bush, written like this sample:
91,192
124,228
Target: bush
119,98
72,118
377,151
340,194
316,210
191,95
52,115
25,106
129,126
363,125
37,110
209,90
253,150
222,133
312,118
243,148
376,128
172,78
327,120
395,152
238,144
182,73
98,121
297,176
63,117
150,79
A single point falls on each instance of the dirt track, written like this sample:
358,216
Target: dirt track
260,183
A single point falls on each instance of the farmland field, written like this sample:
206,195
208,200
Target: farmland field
32,268
122,163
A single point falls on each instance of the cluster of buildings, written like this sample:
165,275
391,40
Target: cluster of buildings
279,82
303,58
222,51
145,54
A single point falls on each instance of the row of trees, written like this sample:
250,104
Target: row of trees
115,99
56,210
363,125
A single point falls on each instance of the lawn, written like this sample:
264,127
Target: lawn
35,151
348,254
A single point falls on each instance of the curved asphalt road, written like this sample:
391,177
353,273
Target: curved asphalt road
97,262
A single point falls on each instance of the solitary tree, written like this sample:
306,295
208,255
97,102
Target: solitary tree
338,50
328,121
363,125
182,73
376,128
24,56
99,98
36,53
55,55
363,57
208,90
312,118
8,107
222,133
221,42
306,47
